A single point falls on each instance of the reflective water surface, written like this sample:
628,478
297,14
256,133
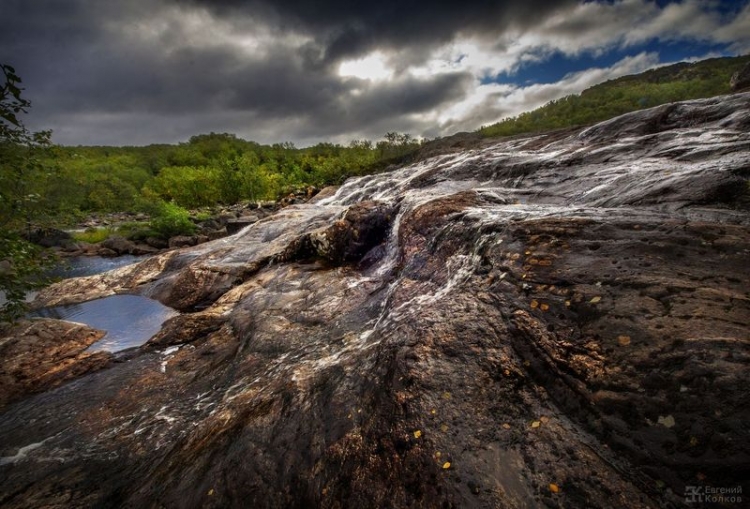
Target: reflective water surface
130,320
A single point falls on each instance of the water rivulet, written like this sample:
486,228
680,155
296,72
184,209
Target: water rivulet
556,320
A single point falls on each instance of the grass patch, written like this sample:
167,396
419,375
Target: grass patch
94,235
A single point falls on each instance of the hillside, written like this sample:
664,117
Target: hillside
678,82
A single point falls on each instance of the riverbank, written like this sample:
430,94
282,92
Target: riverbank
126,233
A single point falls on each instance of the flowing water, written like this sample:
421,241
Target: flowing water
80,266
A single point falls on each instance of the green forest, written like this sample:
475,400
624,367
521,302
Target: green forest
678,82
207,170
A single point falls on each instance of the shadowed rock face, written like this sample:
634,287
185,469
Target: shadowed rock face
556,320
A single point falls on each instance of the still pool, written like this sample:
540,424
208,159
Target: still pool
130,320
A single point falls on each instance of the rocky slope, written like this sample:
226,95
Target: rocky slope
558,320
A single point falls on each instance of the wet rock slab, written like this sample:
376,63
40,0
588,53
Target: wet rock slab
549,321
40,354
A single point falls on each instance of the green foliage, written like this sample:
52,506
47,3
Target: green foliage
209,169
169,220
94,235
21,204
21,267
677,82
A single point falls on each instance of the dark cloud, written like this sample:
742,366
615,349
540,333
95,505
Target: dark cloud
140,71
92,62
348,29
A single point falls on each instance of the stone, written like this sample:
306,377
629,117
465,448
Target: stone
41,354
182,241
157,243
106,252
313,345
119,245
234,225
140,249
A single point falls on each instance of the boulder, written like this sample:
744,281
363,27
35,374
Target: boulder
556,320
157,243
234,225
143,249
182,241
40,354
119,245
106,252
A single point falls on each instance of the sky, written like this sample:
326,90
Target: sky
135,72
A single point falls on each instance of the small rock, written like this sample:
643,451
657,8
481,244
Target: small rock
157,243
182,241
119,245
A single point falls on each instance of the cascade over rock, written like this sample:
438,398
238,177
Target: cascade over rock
556,320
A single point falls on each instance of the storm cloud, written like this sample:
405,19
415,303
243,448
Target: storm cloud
150,71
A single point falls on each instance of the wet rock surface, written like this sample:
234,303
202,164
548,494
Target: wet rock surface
40,354
548,321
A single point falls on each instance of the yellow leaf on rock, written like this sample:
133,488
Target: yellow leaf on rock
554,488
506,426
534,304
536,424
596,299
210,492
667,422
446,465
544,307
417,434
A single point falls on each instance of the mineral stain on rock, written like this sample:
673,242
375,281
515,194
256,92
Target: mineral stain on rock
380,347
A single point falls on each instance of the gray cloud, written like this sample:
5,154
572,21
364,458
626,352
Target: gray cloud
349,29
109,71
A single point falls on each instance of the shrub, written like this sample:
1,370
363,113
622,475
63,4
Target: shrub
169,220
94,235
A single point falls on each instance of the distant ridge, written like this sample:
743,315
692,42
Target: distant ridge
677,82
